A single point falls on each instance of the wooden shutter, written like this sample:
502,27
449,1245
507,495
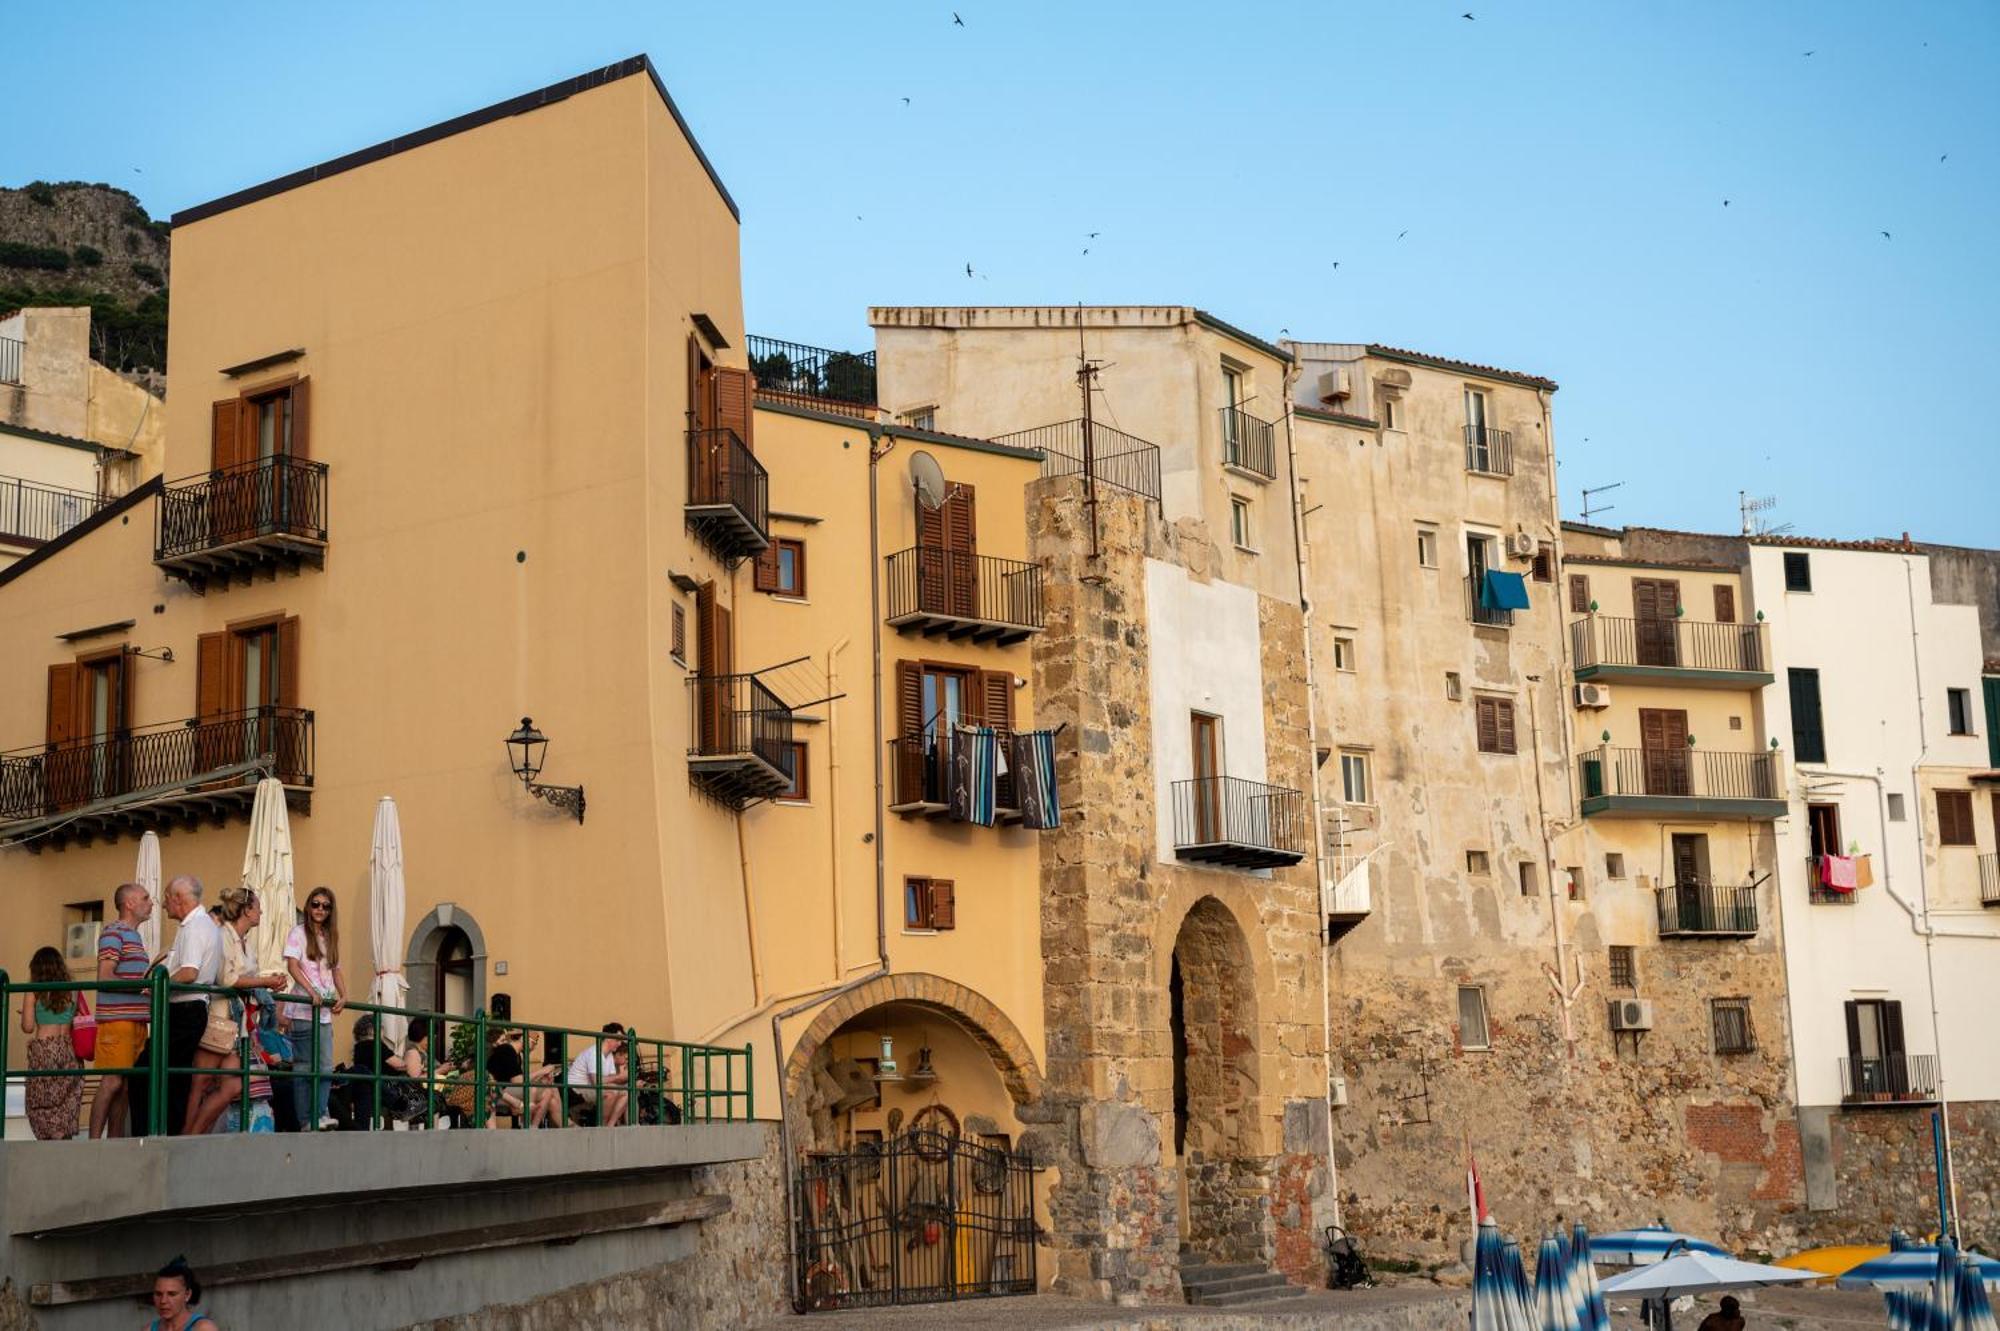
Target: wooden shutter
1503,719
226,434
732,402
1544,566
1854,1074
765,576
1579,593
1808,734
996,705
1486,710
1894,1054
64,701
944,905
211,674
1725,605
909,732
302,419
680,639
1954,809
288,662
708,693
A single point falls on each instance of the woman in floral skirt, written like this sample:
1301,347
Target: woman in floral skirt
54,1103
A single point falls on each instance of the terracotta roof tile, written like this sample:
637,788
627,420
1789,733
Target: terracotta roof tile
1447,362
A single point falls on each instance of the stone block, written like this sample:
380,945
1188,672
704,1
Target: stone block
1305,1127
1118,1136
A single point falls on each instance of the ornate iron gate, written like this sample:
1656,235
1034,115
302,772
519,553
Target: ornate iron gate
922,1218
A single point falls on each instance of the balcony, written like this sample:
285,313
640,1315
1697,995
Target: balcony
1240,824
1349,899
33,514
1889,1079
739,739
1489,452
1819,894
1704,910
922,771
255,517
10,359
729,494
1486,615
815,377
948,593
1123,461
1644,783
181,773
1249,445
1682,652
1989,880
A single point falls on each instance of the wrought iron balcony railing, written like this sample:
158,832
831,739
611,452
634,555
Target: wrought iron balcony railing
1989,879
1889,1078
1489,451
1484,614
813,376
1819,894
1249,444
1117,459
939,592
32,513
1667,644
241,520
1680,774
729,494
10,359
1243,824
921,774
1704,910
739,738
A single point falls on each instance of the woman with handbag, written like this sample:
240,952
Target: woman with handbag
221,1049
48,1019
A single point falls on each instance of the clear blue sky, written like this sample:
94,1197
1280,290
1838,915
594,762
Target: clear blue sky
1560,170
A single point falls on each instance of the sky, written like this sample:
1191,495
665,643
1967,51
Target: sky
1674,210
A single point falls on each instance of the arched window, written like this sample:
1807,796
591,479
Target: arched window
451,982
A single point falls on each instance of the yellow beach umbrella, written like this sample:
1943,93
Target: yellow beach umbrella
1836,1260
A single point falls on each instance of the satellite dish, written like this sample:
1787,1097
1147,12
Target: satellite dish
928,478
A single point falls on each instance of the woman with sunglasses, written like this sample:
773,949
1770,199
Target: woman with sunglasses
312,955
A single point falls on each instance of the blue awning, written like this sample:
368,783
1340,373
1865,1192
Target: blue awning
1503,591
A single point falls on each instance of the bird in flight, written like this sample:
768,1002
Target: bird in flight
1887,236
1336,263
906,101
1095,234
1401,234
1468,18
956,19
1808,52
968,270
1940,158
1725,203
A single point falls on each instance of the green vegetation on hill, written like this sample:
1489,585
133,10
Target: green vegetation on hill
72,242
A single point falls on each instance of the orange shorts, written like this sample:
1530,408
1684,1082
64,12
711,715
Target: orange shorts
118,1044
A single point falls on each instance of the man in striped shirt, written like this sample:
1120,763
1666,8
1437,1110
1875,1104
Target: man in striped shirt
122,1018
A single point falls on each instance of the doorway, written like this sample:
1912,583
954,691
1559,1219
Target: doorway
1205,742
1654,601
1212,1025
1663,740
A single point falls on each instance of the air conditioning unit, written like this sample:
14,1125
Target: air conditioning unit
1593,695
80,942
1333,385
1521,545
1631,1014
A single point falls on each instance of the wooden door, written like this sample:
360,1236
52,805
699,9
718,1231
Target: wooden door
949,699
947,555
1207,790
702,444
1663,735
714,689
1654,601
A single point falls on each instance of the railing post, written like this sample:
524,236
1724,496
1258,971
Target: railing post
6,1025
479,1106
156,1080
687,1084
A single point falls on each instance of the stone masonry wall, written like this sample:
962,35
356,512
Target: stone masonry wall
1885,1174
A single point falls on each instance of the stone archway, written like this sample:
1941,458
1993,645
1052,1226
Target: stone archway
1212,1024
433,934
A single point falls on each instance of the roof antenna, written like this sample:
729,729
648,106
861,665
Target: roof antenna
1754,525
1086,383
1605,508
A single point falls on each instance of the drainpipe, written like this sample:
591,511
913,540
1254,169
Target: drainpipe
1290,376
833,808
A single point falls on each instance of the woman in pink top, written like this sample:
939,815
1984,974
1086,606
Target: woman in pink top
312,955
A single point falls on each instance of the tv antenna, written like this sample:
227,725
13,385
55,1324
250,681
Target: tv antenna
927,479
1602,508
1086,383
1753,524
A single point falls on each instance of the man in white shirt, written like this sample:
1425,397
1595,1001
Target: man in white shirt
594,1073
194,958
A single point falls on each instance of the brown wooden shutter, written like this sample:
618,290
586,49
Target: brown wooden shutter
732,402
1725,605
211,675
121,692
909,732
765,574
1486,711
694,384
944,905
709,698
302,419
1579,593
65,682
226,433
288,662
1545,562
680,633
996,702
962,526
1503,724
1954,808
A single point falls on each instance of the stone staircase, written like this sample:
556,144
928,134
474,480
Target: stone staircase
1234,1284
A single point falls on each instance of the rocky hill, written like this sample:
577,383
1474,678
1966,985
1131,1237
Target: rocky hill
81,244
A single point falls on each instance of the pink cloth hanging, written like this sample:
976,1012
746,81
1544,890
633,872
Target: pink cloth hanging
1837,872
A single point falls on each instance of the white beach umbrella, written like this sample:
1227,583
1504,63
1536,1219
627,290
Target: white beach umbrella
385,919
1699,1273
147,875
267,871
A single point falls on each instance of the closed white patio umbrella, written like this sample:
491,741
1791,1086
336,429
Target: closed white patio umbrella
267,871
147,875
385,919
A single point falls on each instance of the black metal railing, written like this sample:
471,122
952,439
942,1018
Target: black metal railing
33,512
1681,644
1117,459
1249,443
1889,1077
1818,893
1480,613
812,376
738,716
1682,774
1489,450
274,496
1989,879
1691,909
46,779
723,474
1210,810
10,359
921,768
928,581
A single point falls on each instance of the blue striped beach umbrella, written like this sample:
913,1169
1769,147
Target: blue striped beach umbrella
1914,1266
1898,1305
1517,1279
1592,1314
1649,1243
1496,1305
1555,1308
1975,1309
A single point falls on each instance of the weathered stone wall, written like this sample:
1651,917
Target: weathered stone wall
1885,1173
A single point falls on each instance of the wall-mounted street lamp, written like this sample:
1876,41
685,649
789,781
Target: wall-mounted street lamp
524,748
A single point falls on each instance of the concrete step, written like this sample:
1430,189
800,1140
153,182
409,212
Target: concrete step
1232,1284
1247,1297
1195,1273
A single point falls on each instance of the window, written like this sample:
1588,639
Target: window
1731,1020
1477,863
1624,975
801,788
1391,413
1544,568
1823,829
680,634
1579,593
1808,734
1239,522
1898,811
1343,654
928,904
253,668
1959,702
1725,605
1614,864
1575,872
921,418
1427,547
781,568
1495,719
1954,811
1472,1032
1798,571
1354,785
1454,688
1527,870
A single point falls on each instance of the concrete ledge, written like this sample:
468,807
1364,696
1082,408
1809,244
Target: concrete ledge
52,1187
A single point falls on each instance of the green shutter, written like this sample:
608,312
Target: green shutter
1992,687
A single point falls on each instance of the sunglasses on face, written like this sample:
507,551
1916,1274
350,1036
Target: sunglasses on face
319,905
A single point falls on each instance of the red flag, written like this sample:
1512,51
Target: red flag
1475,1194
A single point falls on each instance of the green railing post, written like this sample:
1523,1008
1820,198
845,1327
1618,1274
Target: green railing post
156,1073
6,1025
479,1107
749,1084
312,1089
687,1083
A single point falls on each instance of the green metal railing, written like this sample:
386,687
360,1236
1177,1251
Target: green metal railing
666,1081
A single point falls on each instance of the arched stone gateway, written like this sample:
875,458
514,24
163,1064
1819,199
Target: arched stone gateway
1212,1029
